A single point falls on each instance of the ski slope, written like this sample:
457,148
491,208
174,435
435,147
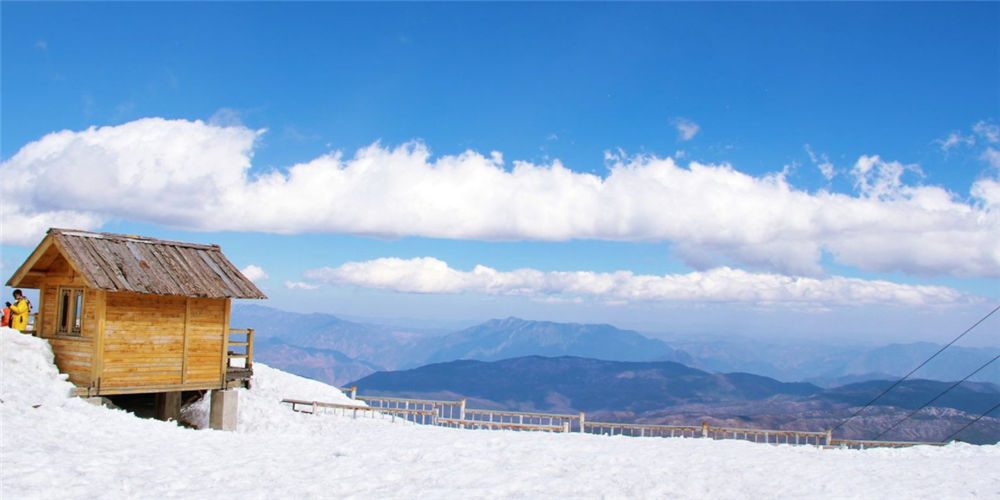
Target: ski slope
54,446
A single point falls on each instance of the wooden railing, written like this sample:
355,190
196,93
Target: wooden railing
239,362
417,416
444,409
641,430
456,414
862,444
496,419
32,327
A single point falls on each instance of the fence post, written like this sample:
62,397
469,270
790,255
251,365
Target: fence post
461,410
704,429
354,392
583,420
829,437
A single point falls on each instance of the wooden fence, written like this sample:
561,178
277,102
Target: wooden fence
456,414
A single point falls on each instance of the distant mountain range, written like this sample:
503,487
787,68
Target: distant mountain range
512,337
829,365
536,383
302,343
381,347
668,392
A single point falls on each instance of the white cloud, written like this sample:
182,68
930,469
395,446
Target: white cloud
226,117
822,161
875,178
686,129
300,286
195,176
992,157
254,273
433,276
41,45
988,131
956,139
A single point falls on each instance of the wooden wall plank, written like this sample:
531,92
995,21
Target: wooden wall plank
187,334
157,340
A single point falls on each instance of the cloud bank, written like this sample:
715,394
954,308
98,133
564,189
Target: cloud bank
196,176
433,276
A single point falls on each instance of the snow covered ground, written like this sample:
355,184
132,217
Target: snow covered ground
54,446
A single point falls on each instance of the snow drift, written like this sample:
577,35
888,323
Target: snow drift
55,446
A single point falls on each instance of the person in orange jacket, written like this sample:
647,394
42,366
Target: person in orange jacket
6,315
20,311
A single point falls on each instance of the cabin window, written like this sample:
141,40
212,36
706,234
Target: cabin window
70,311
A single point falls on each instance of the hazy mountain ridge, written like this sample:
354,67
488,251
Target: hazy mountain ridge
328,365
395,347
535,382
388,347
670,393
513,337
831,364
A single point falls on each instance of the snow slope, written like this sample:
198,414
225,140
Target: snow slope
54,446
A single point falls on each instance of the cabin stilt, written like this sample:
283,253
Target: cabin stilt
225,407
168,406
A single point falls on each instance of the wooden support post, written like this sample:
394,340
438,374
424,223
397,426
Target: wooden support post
224,364
829,437
168,406
704,429
97,359
461,410
249,362
354,392
583,420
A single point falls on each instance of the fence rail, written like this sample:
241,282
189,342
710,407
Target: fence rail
456,414
426,417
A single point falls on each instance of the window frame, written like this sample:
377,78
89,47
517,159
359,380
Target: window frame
69,309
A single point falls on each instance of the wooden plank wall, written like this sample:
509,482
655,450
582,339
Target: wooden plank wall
205,340
61,274
73,354
145,339
73,357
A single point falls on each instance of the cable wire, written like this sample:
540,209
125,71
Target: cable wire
893,426
970,423
915,369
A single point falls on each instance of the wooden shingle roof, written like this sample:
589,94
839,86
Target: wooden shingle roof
125,263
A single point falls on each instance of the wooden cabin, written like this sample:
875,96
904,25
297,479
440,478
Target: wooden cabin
129,314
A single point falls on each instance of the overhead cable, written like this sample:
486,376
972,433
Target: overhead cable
987,412
915,369
893,426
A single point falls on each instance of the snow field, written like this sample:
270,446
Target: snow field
67,449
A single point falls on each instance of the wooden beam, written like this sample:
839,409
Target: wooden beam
225,342
22,272
74,267
187,331
97,365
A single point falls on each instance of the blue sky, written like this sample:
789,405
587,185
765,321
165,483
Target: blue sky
809,170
